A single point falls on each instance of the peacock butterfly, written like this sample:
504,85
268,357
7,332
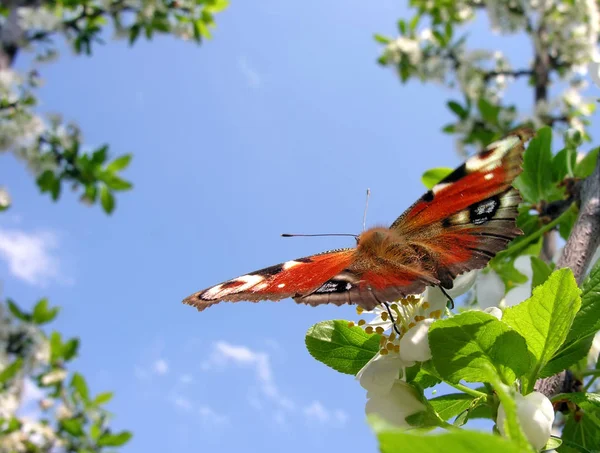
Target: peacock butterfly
457,226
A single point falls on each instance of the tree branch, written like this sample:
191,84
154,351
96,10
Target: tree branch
585,236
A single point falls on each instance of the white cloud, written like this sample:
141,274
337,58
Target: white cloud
30,256
210,416
225,353
161,367
186,378
252,76
315,411
182,403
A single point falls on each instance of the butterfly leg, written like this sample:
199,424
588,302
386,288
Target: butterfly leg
387,307
448,296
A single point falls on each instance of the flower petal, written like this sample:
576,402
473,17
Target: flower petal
378,375
414,345
400,402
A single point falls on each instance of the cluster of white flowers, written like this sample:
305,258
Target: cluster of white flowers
39,19
404,342
31,432
18,128
35,351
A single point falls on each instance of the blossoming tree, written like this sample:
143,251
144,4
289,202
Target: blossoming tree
521,348
33,362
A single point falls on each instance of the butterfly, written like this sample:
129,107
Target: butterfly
457,226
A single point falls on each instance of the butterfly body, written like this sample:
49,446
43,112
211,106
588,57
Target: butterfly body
457,226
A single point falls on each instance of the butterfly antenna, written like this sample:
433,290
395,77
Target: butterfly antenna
448,296
366,207
387,306
288,235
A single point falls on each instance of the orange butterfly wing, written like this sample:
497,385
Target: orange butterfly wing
469,216
457,226
294,278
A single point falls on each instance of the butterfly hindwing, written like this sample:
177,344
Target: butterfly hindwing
294,278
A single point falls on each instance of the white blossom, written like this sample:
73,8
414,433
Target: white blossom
394,406
495,312
535,415
414,344
54,376
38,19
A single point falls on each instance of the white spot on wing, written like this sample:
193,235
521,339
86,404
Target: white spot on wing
461,217
489,176
218,291
281,285
491,161
289,264
435,189
212,292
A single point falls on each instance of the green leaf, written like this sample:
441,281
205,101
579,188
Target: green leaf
586,166
552,444
42,313
472,344
568,355
563,164
69,349
11,371
422,374
114,440
489,112
120,163
458,109
48,182
448,406
582,434
103,398
95,431
100,155
587,401
431,177
566,225
78,383
541,271
395,441
381,39
107,199
74,426
16,311
115,183
535,183
134,33
343,348
545,318
587,320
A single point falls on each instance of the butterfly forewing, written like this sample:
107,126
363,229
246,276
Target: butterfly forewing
293,278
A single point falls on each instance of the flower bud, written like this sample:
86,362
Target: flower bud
535,415
495,312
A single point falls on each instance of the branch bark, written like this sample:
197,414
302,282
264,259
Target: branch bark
585,236
577,255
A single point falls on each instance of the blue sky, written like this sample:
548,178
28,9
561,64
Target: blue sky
279,124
